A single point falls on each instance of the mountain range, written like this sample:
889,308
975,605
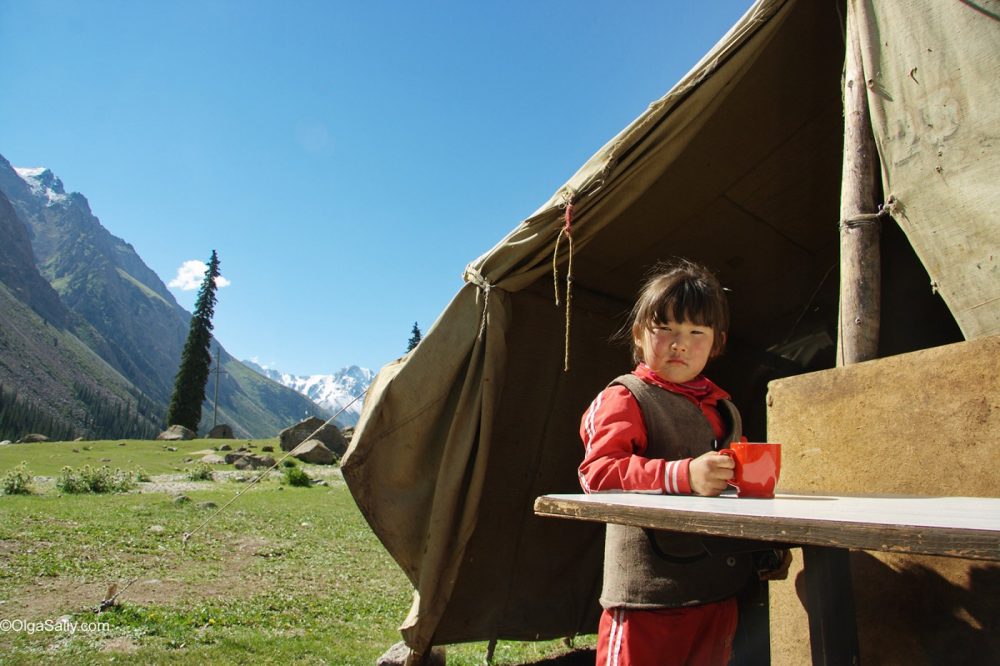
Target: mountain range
90,336
341,393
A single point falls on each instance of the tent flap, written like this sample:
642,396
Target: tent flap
933,69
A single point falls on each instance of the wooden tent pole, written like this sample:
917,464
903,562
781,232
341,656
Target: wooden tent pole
860,261
833,629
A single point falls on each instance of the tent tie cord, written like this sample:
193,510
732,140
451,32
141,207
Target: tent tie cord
566,230
475,277
869,219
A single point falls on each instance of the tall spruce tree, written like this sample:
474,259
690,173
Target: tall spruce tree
414,337
196,359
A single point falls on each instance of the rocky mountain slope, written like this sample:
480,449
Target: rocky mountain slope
61,270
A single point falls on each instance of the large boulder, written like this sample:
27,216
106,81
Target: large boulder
175,433
33,437
232,456
313,451
313,428
221,431
397,656
252,461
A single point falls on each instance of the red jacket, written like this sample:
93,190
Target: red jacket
614,436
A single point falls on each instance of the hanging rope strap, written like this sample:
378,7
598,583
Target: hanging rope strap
475,277
567,230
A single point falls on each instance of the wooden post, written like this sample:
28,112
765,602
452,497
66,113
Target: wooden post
860,261
828,571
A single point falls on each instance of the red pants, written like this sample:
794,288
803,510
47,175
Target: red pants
691,636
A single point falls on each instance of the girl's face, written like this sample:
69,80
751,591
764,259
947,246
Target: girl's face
676,351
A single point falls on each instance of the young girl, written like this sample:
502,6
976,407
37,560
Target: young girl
657,430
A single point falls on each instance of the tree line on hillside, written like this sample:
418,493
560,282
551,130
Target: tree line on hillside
97,417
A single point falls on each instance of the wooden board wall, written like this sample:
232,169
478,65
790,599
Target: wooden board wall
923,423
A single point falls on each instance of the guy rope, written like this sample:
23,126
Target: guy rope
111,597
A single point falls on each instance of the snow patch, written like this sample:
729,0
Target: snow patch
43,184
334,392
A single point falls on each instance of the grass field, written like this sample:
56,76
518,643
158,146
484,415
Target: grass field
283,575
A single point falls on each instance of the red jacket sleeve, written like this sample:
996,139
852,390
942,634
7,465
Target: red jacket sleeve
614,439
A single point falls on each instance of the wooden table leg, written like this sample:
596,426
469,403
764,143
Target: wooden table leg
833,629
752,643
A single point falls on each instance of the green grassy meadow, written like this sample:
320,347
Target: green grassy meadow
283,575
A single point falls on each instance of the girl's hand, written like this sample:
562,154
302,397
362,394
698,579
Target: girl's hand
709,473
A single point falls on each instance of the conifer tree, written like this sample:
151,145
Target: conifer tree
414,337
196,359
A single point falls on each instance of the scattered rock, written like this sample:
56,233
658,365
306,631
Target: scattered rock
109,459
172,449
221,431
313,451
313,428
320,482
181,499
5,442
251,461
225,447
397,654
206,505
265,449
176,432
156,529
213,459
32,438
231,458
76,450
121,443
187,460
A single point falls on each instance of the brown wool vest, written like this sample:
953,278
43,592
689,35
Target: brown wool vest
635,574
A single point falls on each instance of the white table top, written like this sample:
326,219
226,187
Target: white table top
951,526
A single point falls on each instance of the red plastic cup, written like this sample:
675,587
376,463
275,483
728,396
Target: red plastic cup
758,465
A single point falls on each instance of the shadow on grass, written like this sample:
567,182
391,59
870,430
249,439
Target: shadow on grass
582,657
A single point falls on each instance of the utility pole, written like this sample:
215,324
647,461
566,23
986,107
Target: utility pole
218,371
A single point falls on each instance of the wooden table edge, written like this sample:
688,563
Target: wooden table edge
962,543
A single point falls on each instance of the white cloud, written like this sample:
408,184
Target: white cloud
190,275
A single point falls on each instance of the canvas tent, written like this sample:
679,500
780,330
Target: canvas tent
739,167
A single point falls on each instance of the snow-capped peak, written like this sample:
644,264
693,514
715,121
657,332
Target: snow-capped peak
43,183
340,391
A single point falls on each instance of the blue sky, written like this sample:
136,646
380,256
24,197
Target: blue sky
345,159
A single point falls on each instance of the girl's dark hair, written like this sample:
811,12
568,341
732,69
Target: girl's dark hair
680,290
